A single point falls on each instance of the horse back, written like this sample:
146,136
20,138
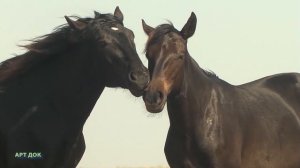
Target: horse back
285,85
275,128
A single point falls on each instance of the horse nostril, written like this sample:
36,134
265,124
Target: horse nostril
154,98
160,97
133,76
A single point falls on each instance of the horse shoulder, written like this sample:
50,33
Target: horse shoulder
221,134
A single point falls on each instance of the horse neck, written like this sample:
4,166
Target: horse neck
69,81
193,96
85,75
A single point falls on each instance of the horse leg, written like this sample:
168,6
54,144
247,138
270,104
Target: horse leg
174,151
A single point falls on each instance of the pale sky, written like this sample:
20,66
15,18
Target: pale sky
239,40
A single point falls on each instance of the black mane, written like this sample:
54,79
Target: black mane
49,45
210,74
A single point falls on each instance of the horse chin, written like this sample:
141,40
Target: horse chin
136,92
155,108
133,90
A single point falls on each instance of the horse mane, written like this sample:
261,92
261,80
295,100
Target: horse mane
54,42
41,48
210,74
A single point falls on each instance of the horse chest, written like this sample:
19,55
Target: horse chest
191,144
209,130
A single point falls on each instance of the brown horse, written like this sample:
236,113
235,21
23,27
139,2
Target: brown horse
214,124
47,93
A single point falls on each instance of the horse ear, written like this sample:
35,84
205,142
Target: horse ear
189,28
97,14
118,13
76,25
147,29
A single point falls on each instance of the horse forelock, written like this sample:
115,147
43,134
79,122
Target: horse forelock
158,33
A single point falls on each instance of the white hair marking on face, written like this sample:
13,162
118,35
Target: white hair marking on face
114,28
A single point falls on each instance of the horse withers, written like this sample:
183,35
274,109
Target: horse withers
214,124
48,93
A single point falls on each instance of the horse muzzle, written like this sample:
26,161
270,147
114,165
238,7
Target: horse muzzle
154,101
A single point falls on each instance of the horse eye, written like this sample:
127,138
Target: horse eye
114,28
180,57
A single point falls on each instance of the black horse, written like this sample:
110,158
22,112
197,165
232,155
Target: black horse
47,94
214,124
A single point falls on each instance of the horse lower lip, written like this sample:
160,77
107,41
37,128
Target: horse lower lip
155,108
136,92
